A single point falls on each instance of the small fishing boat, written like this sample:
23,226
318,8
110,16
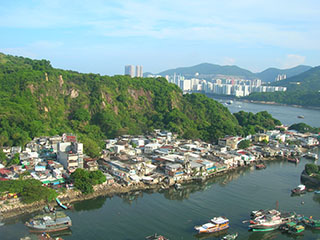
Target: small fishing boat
156,237
310,222
296,230
216,224
62,205
230,236
299,189
261,166
317,192
300,116
293,159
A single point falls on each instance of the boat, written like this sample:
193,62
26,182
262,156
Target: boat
293,159
296,230
317,192
230,236
267,223
229,102
50,222
216,224
311,155
62,205
156,237
299,189
300,116
285,227
261,166
266,220
178,186
310,222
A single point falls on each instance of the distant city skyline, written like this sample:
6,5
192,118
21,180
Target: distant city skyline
103,36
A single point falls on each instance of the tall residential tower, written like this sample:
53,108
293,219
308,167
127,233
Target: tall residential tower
129,70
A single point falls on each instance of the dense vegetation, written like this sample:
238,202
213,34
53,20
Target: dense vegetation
252,123
244,144
313,170
37,99
304,128
84,180
303,89
29,190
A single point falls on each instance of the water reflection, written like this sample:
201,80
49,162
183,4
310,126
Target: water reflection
215,235
90,204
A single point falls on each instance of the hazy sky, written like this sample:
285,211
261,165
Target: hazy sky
101,36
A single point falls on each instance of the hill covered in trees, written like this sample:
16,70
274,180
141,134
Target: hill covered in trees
37,100
303,89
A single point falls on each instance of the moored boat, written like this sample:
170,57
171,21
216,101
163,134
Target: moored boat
230,236
216,224
260,166
156,237
51,222
310,222
62,205
293,159
296,230
300,116
299,189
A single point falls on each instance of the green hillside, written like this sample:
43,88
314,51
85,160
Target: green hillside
37,99
270,74
303,89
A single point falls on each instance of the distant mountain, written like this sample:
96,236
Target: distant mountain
302,89
270,74
210,69
267,75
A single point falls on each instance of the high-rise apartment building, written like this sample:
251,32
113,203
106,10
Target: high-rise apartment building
129,70
139,71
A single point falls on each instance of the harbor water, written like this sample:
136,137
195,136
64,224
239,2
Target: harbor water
174,213
288,115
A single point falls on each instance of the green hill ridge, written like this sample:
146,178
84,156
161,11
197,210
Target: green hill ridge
39,100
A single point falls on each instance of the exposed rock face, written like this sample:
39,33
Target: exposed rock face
61,82
74,93
46,75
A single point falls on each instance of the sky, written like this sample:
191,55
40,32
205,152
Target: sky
102,36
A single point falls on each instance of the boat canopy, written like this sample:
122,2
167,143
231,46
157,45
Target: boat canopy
219,220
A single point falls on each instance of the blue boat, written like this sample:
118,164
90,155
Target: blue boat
60,204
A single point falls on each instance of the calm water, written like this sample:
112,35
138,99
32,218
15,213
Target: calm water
175,213
287,115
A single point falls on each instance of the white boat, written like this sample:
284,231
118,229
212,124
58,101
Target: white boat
216,224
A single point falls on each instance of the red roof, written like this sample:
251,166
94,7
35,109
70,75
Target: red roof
4,171
3,179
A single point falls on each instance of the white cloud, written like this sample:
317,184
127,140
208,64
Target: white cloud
293,60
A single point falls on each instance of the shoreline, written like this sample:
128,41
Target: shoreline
72,196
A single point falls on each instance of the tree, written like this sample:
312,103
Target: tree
82,115
244,144
311,168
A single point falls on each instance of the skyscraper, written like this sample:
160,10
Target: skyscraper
129,70
139,72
